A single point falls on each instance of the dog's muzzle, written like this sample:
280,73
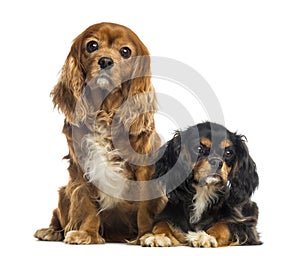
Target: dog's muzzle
212,176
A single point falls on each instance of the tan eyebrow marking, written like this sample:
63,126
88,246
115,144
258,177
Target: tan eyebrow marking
206,142
225,143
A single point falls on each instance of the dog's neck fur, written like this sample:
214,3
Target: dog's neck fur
205,196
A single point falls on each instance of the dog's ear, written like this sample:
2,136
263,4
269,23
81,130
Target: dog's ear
71,82
174,168
142,92
169,155
243,178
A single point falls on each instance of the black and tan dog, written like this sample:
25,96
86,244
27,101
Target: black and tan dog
209,178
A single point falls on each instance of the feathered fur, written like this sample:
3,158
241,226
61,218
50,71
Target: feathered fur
217,178
106,95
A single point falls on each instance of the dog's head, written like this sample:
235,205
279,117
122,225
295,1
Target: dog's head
213,157
110,52
223,160
217,155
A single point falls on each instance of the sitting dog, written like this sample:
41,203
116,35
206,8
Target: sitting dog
209,177
108,100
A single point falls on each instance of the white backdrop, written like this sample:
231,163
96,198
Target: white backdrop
248,52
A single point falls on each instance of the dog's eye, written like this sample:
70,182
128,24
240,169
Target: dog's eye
228,152
203,150
200,149
92,46
125,52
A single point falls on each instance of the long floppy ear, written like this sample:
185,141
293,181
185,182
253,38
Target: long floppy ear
176,167
142,93
71,82
244,179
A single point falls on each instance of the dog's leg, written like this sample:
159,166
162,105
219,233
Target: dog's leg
216,236
163,235
55,231
238,233
220,231
84,222
74,221
87,232
147,211
149,208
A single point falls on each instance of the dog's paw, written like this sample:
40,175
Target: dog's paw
48,234
82,237
156,240
201,239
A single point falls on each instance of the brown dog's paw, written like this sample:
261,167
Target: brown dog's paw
82,237
48,234
156,240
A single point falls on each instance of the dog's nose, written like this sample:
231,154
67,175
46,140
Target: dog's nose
105,63
215,163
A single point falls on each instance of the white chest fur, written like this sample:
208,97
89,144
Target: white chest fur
102,169
204,197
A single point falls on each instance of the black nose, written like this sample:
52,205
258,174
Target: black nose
105,62
215,163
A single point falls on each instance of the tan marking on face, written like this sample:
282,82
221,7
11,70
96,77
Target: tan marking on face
201,168
206,142
225,171
225,143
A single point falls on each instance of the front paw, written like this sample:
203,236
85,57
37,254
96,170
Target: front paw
201,239
156,240
82,237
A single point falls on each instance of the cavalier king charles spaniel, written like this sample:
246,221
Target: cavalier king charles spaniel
208,177
106,95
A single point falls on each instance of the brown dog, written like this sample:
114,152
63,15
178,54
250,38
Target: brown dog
105,55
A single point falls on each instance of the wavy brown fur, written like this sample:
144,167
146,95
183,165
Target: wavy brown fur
80,218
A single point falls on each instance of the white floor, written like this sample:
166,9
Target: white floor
56,248
34,247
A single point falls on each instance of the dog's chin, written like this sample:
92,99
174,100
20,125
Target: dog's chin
211,180
104,81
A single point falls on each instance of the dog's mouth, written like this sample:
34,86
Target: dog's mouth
210,180
105,81
104,77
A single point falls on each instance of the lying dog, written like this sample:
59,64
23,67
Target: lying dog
209,177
